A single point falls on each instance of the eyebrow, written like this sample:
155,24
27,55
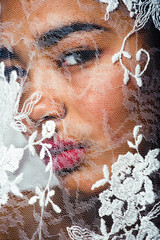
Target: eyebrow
53,36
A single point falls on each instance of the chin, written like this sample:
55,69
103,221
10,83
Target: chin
80,182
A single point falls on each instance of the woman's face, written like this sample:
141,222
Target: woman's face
65,49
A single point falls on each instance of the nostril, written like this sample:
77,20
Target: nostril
53,115
47,109
48,118
44,119
57,115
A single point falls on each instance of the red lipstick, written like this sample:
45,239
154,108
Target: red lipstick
65,154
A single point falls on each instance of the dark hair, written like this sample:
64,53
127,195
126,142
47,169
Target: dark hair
153,34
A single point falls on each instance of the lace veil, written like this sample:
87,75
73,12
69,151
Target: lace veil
123,202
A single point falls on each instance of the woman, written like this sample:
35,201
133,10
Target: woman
79,110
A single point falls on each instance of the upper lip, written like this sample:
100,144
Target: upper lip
60,145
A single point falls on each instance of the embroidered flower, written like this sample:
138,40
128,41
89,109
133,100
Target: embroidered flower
125,200
43,201
142,10
9,163
139,8
8,97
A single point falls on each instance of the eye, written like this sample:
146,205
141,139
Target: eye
20,72
78,57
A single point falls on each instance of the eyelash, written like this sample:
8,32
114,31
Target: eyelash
73,58
78,57
20,72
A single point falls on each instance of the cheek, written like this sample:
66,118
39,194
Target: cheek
104,95
99,101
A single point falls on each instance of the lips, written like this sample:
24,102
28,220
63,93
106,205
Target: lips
65,154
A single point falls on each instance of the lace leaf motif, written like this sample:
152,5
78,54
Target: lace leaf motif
142,10
10,157
125,200
77,233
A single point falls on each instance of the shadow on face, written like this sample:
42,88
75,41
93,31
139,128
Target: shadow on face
64,50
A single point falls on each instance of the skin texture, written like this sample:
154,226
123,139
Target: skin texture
86,101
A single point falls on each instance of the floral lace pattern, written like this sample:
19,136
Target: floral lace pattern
11,157
130,191
142,10
130,186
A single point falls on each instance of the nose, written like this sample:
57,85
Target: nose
52,103
48,108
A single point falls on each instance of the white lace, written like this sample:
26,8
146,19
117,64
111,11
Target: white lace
127,197
11,156
130,190
142,10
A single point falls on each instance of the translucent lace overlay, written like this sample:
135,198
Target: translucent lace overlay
11,157
130,191
142,10
125,202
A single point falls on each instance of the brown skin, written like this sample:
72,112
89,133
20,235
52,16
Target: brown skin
92,93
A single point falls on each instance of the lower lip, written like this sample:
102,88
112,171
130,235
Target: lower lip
67,159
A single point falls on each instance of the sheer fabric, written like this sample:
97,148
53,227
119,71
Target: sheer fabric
113,191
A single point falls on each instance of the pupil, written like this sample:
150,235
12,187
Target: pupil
85,55
79,57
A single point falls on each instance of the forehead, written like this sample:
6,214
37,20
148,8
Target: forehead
25,21
49,12
40,14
